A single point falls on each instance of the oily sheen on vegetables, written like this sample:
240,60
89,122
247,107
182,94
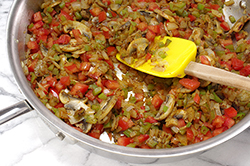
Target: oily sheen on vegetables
71,66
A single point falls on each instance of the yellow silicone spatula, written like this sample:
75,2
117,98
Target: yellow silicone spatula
180,59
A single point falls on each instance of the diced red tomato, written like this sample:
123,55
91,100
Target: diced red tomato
118,104
77,35
150,119
225,26
59,86
96,131
72,68
111,65
237,64
112,84
144,146
239,35
245,71
181,123
226,42
143,137
42,38
148,56
142,26
218,131
32,45
139,96
123,141
37,17
107,2
156,101
154,28
111,51
106,34
82,76
214,6
230,112
66,15
175,33
208,135
191,84
64,39
229,122
59,105
32,66
54,92
152,6
36,26
190,135
204,60
197,98
77,128
102,16
125,123
150,35
79,88
192,18
90,95
65,80
85,66
95,11
167,129
218,121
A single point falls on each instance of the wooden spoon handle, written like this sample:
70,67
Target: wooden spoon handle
217,75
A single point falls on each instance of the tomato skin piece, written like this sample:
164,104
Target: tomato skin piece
79,87
156,101
63,39
245,71
237,64
112,84
102,16
230,112
96,131
191,84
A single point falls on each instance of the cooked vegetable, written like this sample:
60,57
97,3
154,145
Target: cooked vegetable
72,69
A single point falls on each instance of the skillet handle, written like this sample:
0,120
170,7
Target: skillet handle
217,75
14,111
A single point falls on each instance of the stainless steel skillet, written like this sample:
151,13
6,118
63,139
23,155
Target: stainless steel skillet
16,28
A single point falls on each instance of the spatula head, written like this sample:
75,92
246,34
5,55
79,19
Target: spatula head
178,55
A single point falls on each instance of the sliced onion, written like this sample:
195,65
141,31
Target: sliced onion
76,6
171,26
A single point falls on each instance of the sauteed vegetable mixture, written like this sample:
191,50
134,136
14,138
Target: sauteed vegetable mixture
72,68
